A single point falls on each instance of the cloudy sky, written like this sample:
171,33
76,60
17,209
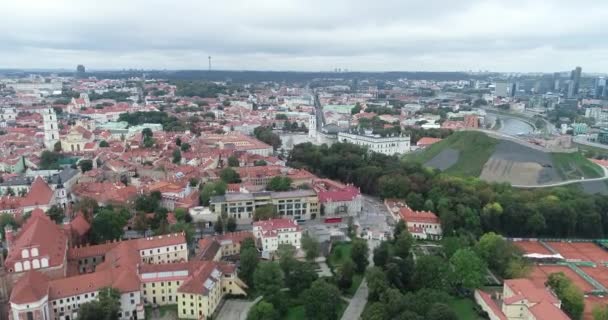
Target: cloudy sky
306,35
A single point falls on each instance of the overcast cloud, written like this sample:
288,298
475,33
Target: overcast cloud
306,35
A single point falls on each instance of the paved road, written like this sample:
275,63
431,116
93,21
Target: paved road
583,141
567,182
359,300
236,309
357,303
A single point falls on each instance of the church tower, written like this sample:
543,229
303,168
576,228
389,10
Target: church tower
61,196
312,127
51,129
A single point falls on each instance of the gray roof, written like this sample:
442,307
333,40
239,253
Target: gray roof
65,175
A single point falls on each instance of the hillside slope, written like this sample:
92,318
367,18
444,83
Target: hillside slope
475,154
463,153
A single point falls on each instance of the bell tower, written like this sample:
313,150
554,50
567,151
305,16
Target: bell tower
51,129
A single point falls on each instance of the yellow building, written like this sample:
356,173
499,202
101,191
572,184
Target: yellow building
196,287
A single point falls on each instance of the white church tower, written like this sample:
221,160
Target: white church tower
312,127
51,129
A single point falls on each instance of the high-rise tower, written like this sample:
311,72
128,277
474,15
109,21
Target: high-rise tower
51,129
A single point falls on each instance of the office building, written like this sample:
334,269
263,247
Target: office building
501,89
575,76
297,204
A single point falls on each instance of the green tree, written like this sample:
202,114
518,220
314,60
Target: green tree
248,263
210,189
231,224
177,156
376,282
147,133
600,313
382,254
265,212
263,311
266,135
468,269
85,165
186,228
287,258
106,307
149,142
360,255
178,141
233,161
375,311
279,183
430,272
441,311
345,275
103,144
228,175
268,278
310,246
87,206
140,222
259,163
108,224
320,301
57,146
399,228
49,160
301,275
185,147
6,220
571,296
10,192
356,109
218,226
56,213
497,252
403,244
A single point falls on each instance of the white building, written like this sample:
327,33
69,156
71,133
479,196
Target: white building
312,126
387,145
51,129
269,234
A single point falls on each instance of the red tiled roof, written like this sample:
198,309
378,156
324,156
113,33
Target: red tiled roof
347,194
531,292
272,226
41,232
80,225
40,194
547,311
491,304
412,216
33,286
427,141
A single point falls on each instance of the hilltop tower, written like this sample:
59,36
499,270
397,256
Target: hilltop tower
51,129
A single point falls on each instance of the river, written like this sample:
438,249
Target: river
512,126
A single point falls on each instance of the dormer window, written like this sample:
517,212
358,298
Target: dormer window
34,252
25,253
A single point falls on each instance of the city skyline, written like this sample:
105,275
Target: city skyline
501,36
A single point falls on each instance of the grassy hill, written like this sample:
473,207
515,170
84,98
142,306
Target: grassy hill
575,165
473,151
465,153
